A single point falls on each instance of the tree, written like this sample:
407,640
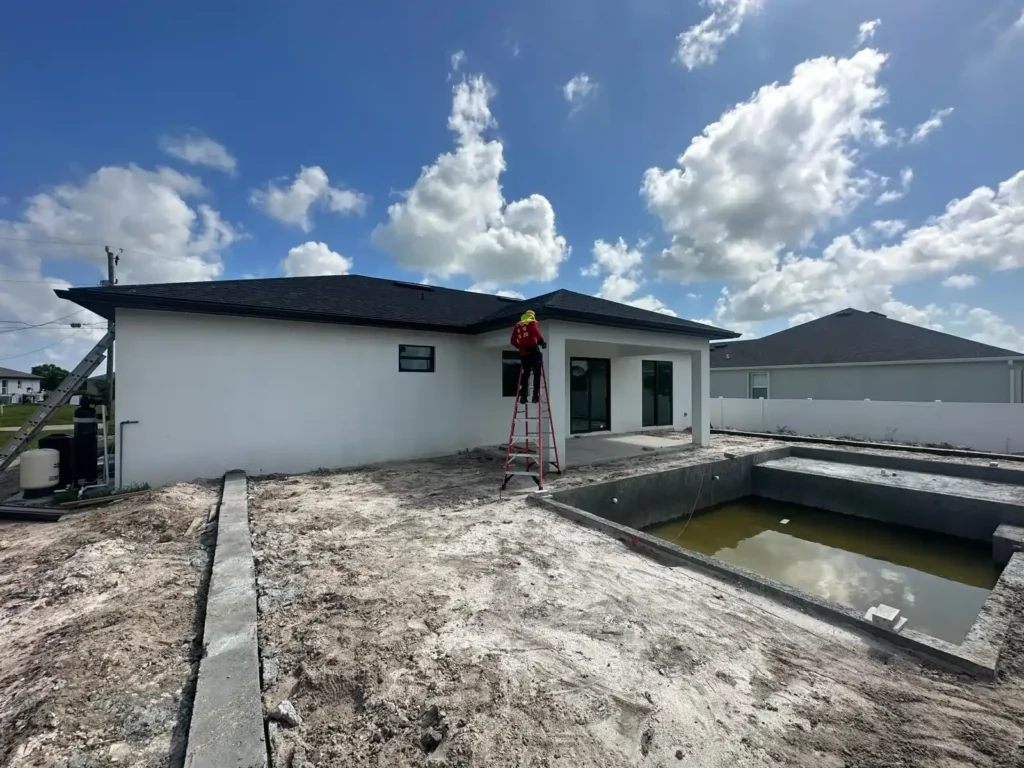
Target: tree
51,375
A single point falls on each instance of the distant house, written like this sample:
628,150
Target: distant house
379,370
18,387
855,355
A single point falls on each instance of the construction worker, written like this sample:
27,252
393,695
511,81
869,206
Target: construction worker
527,338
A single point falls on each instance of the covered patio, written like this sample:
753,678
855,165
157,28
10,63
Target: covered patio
610,385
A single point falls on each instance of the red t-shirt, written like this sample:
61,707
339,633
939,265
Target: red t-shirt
526,336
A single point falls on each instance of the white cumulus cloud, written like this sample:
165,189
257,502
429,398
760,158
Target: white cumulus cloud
960,281
867,30
311,187
892,195
494,290
578,89
454,220
699,45
929,126
771,171
458,59
983,229
197,149
157,216
312,259
620,266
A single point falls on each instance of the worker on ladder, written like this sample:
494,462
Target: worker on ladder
527,338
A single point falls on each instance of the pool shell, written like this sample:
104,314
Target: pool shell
622,507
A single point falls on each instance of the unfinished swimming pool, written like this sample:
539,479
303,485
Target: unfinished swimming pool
838,533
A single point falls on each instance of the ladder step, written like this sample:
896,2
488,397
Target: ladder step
521,472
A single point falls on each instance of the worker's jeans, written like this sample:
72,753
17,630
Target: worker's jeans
529,363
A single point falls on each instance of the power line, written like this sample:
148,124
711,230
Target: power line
40,325
59,341
75,244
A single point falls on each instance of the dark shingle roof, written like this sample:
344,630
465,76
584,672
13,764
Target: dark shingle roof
10,373
358,300
850,336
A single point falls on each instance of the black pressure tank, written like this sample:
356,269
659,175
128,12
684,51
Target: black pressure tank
64,445
86,428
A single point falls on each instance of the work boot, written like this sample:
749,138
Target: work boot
522,398
536,397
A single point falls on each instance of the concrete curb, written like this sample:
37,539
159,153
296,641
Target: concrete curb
227,715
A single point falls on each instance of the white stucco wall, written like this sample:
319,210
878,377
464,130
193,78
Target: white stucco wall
213,393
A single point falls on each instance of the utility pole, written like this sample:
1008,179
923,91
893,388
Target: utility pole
112,261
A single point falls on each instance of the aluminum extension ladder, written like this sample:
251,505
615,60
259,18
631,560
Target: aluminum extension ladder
531,452
57,398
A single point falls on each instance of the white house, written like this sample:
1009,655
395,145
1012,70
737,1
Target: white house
17,387
291,374
855,355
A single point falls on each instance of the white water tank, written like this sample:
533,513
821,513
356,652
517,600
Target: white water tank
40,471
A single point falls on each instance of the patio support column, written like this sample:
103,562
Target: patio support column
700,394
554,369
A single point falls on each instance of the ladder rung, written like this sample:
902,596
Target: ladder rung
521,472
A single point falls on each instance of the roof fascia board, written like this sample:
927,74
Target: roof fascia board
609,322
1008,359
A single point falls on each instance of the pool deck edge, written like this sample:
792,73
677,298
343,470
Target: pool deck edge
978,655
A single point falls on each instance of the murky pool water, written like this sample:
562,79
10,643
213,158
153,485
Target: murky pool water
938,582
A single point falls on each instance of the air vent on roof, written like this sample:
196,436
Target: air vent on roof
414,286
509,299
844,313
877,313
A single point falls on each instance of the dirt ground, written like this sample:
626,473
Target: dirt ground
414,619
98,622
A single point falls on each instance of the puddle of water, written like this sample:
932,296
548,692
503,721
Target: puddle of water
938,582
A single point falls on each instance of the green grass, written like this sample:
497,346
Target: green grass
16,415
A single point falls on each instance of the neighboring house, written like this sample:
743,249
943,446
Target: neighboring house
854,355
290,374
18,387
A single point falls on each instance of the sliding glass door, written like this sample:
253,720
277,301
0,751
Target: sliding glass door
590,394
657,393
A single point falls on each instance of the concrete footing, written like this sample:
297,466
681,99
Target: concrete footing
227,716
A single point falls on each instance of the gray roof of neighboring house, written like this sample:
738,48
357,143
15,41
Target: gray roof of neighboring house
851,336
10,373
359,300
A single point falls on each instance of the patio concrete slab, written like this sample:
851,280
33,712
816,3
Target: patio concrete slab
595,449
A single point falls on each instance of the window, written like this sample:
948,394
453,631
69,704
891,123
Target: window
656,393
509,373
415,359
3,387
758,385
19,383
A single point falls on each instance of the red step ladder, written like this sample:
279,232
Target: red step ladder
535,430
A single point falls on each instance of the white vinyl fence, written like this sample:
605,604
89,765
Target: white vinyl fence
997,427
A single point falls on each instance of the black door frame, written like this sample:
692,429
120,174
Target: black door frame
590,394
671,394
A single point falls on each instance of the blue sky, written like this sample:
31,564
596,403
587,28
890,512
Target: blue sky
778,206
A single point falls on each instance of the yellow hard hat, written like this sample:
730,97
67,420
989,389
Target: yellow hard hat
528,315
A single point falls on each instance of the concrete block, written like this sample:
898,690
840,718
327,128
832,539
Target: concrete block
886,616
1005,541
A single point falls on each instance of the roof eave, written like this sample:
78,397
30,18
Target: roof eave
105,308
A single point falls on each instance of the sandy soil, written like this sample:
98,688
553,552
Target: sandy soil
414,619
98,632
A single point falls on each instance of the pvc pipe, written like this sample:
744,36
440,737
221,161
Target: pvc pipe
120,452
106,457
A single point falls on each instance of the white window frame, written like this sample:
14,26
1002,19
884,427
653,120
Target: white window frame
767,387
